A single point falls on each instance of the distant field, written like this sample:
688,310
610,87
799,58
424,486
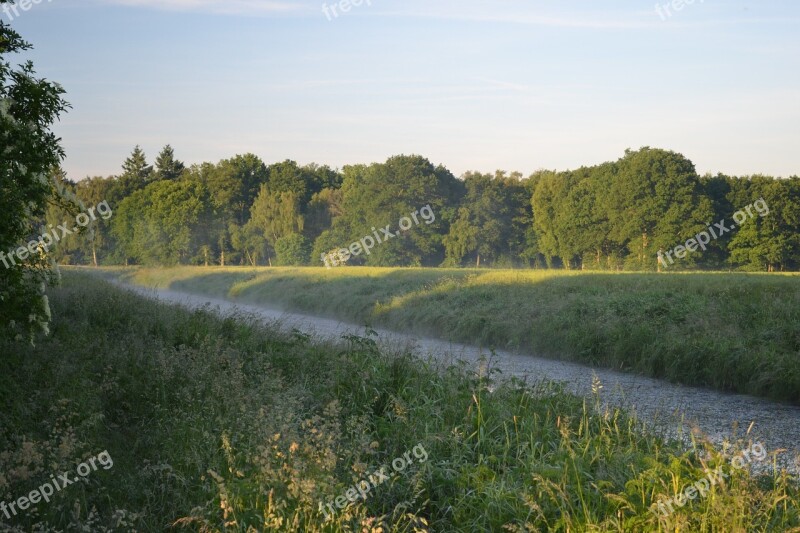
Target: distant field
733,332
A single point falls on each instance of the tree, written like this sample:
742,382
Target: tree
718,190
69,250
292,250
550,189
769,238
136,173
582,219
167,167
381,194
654,202
276,215
305,182
320,212
159,225
233,185
97,244
247,242
462,239
135,176
491,222
30,151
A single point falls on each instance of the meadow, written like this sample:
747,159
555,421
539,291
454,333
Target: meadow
731,332
227,424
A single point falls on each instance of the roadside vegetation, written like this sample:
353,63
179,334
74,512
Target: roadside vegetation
229,425
731,332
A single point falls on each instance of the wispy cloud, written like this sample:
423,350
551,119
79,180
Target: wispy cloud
534,20
580,16
520,12
227,7
515,12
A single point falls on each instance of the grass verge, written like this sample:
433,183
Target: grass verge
731,332
229,425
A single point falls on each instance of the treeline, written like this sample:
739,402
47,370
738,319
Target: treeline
614,216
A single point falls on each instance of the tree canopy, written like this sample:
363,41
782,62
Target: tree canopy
30,154
617,215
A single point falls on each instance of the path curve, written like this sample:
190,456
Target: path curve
665,407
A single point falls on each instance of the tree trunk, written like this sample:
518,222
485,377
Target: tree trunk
478,264
644,248
94,254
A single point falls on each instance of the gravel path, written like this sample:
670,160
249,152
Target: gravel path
665,407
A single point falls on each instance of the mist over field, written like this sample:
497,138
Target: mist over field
383,266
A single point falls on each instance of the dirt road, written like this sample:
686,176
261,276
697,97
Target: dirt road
665,407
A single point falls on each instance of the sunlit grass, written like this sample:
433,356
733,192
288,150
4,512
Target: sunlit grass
733,332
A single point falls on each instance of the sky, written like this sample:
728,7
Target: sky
517,85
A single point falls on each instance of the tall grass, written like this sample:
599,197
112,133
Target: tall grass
229,425
732,332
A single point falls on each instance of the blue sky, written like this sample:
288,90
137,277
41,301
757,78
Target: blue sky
474,85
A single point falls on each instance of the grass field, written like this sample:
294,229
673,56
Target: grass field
227,425
731,332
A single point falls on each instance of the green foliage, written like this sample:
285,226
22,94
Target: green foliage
227,425
613,216
292,250
491,220
322,209
305,182
157,225
248,242
382,194
136,173
770,242
233,185
276,214
462,239
167,167
620,213
29,153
